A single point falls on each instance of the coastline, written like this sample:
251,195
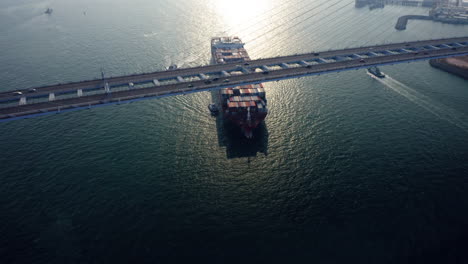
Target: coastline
457,65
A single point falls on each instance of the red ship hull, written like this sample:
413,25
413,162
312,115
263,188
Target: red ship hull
247,127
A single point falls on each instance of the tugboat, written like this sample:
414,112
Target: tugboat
49,11
376,72
213,109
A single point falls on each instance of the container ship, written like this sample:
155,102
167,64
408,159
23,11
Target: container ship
244,106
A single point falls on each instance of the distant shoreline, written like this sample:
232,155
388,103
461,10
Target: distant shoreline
457,66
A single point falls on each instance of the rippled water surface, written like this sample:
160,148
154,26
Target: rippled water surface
346,168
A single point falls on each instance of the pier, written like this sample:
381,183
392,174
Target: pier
403,21
382,3
457,66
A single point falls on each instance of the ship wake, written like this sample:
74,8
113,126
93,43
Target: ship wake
439,110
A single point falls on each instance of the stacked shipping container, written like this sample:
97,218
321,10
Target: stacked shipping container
246,106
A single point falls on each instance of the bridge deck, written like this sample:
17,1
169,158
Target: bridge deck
85,94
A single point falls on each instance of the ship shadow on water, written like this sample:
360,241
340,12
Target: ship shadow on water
237,145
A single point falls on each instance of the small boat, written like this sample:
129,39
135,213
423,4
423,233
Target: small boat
172,67
213,108
376,72
49,11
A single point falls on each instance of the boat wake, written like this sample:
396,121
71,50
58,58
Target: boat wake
149,35
437,109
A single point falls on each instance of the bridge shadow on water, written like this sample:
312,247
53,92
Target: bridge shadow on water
237,145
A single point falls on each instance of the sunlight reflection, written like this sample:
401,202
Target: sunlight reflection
241,11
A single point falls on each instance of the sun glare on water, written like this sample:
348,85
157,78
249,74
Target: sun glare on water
241,12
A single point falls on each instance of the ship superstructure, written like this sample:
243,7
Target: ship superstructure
245,106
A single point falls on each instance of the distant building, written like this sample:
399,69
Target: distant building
381,3
450,14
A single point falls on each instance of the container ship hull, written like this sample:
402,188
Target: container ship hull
244,106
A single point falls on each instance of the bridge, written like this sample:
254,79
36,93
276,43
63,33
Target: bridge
124,89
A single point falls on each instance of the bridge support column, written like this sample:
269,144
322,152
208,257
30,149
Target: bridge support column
284,66
245,70
203,76
304,63
180,79
79,92
22,101
107,87
156,82
51,97
265,68
225,74
320,60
